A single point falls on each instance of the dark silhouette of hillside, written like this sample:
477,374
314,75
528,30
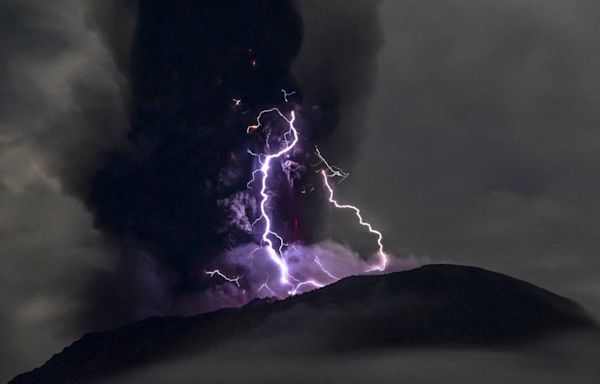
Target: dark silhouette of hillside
432,306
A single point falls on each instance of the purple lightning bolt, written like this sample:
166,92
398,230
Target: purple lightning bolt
276,256
383,257
286,94
331,275
265,286
333,170
272,242
235,280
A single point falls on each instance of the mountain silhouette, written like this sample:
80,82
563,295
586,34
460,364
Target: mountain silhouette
429,307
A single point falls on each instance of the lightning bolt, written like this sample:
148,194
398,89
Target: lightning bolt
265,166
265,286
301,284
333,170
277,256
318,262
235,280
286,94
383,259
273,243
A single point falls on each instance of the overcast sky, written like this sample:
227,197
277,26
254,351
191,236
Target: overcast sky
479,144
483,144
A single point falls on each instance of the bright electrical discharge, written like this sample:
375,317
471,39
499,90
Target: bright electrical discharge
272,242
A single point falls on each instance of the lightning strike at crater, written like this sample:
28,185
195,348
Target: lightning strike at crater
298,277
383,259
276,256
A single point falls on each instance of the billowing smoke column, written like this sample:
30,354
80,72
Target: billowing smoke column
178,200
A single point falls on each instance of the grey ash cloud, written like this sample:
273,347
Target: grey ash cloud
62,107
336,68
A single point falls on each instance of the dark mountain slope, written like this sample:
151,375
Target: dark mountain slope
432,306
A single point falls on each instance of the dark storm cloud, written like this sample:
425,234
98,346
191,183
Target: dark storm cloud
60,91
156,76
158,198
114,21
61,109
483,145
336,69
164,196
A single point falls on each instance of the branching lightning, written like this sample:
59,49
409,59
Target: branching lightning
332,170
286,94
272,242
276,256
383,257
301,284
235,280
331,275
265,286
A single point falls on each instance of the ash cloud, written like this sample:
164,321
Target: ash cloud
182,173
336,70
176,192
241,210
62,108
125,110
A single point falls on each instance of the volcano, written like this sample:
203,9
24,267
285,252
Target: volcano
434,306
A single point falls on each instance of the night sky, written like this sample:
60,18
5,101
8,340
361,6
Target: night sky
469,128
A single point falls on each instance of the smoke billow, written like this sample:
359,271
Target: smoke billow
159,197
175,198
123,168
62,110
336,68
